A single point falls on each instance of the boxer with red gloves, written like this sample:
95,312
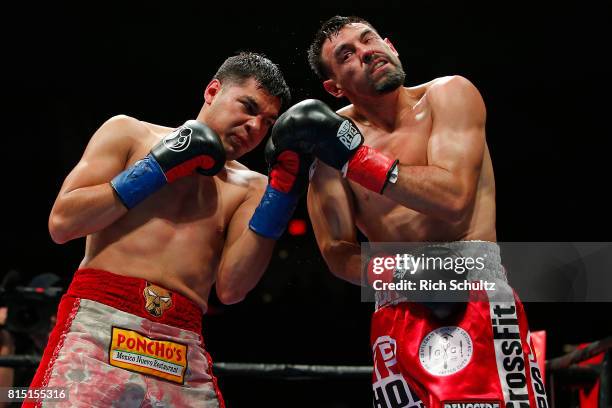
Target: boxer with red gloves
424,180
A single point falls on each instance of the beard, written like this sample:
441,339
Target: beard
390,82
392,79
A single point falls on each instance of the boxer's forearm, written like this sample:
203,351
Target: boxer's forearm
83,211
331,210
430,190
242,265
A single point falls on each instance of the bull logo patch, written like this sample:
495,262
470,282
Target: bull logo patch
157,299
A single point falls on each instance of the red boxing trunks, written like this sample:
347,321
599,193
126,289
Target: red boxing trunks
482,358
122,341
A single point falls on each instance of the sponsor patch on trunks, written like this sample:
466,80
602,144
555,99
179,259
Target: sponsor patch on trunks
471,404
132,351
446,350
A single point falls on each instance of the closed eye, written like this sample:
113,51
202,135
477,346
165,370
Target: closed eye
249,108
367,35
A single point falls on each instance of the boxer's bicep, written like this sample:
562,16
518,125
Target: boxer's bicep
457,141
86,202
106,153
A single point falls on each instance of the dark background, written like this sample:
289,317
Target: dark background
542,70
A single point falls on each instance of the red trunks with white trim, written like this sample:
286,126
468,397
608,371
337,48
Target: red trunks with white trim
482,358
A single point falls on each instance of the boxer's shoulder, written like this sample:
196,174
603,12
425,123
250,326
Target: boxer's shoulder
127,131
236,173
127,125
349,111
446,88
151,128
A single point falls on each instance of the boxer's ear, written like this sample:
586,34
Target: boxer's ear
390,44
212,90
333,88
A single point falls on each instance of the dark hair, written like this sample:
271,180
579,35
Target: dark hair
328,29
245,65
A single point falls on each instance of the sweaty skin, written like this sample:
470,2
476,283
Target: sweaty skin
192,232
446,187
412,144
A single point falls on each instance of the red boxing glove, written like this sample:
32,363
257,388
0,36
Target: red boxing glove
370,168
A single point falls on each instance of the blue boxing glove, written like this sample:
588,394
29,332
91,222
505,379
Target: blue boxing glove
287,182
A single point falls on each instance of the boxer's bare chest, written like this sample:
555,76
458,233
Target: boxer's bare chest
408,141
200,202
185,221
377,216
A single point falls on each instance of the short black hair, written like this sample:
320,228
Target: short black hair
328,29
245,65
